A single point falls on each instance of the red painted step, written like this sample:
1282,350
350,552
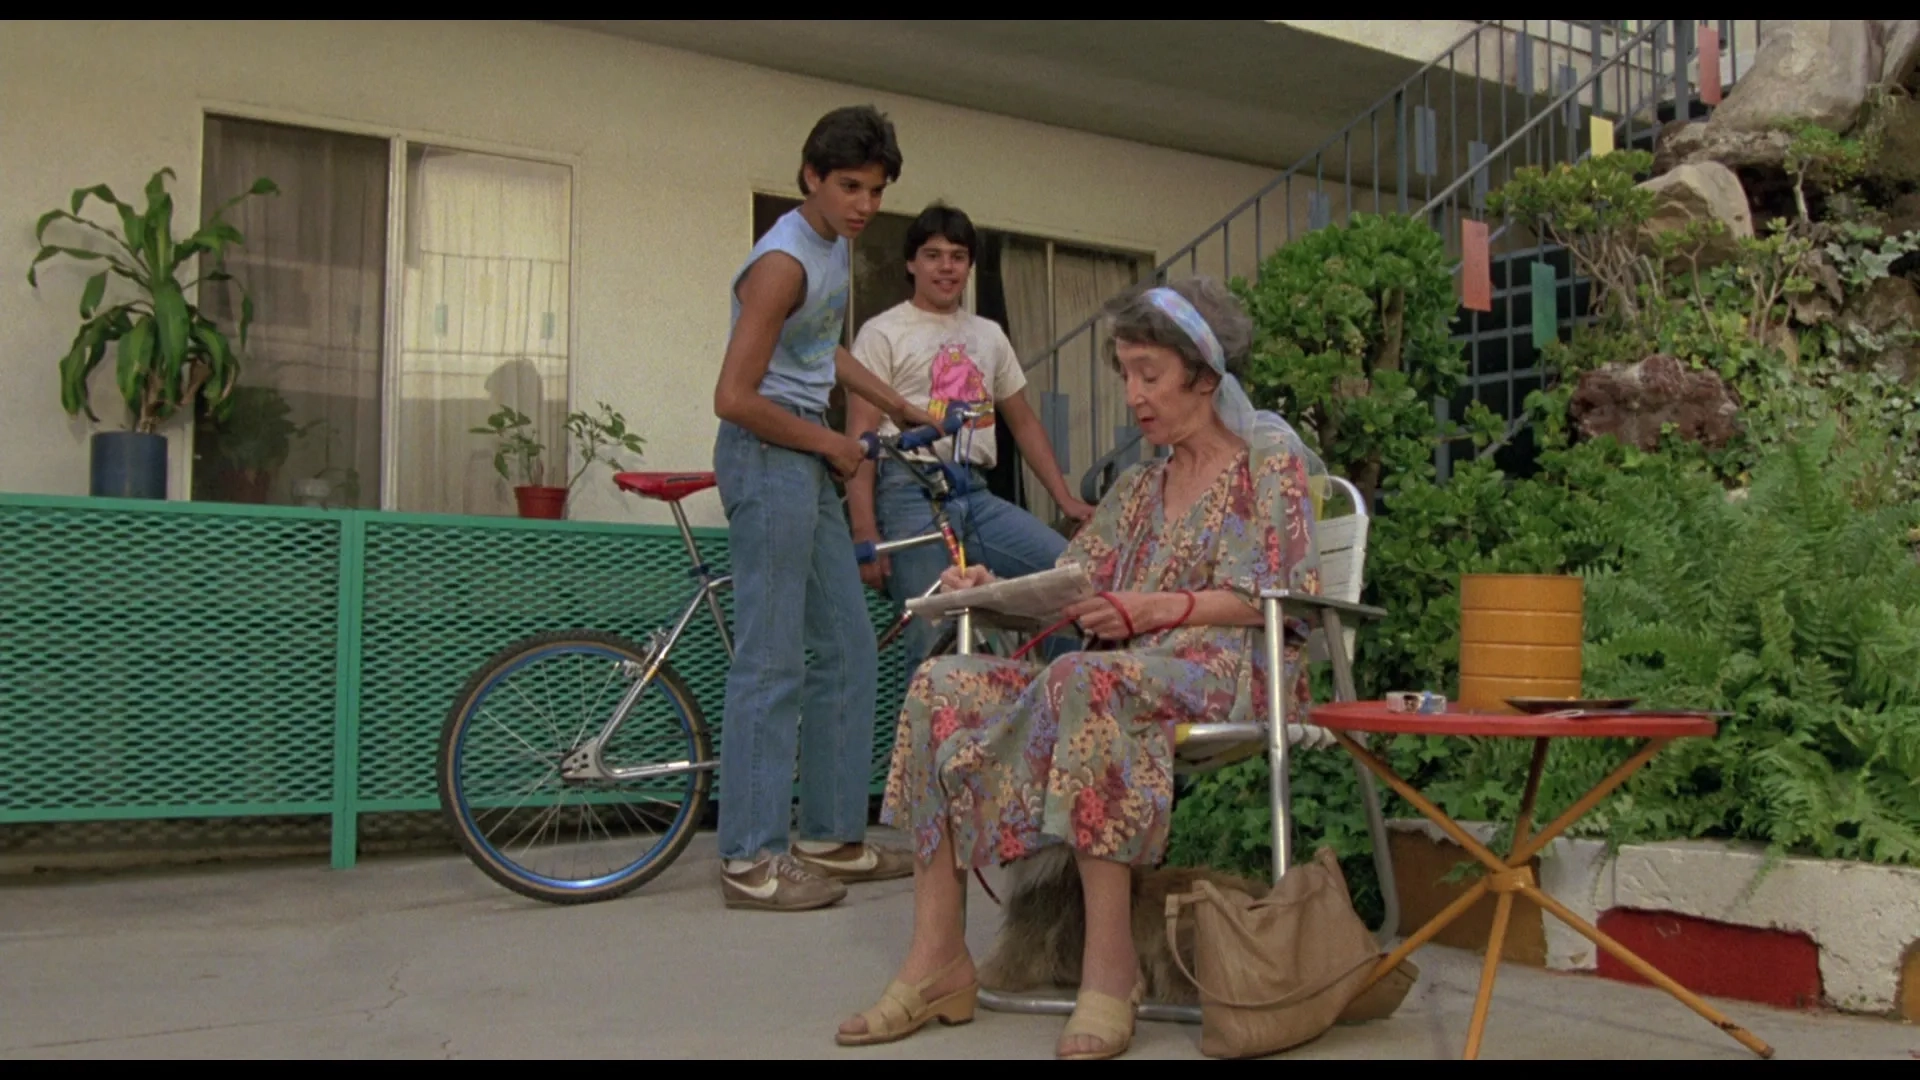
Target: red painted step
1716,959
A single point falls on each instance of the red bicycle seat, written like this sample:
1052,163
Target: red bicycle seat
664,486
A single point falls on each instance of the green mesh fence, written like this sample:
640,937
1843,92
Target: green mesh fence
194,660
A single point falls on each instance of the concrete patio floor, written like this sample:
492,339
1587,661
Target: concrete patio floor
423,957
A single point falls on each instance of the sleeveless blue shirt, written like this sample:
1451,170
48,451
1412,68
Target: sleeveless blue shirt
801,372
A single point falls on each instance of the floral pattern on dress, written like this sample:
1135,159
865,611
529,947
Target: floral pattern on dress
1016,756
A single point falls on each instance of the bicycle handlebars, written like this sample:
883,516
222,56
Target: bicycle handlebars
918,437
957,416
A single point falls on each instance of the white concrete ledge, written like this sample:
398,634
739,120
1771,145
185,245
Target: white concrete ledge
1862,917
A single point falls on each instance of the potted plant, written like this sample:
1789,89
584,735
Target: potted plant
599,438
251,444
165,350
330,480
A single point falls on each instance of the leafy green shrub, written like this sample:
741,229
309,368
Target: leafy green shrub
1793,603
1797,609
1351,343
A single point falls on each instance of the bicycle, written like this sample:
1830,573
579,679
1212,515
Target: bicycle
675,754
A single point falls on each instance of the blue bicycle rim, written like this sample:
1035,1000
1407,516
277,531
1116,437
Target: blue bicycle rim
473,828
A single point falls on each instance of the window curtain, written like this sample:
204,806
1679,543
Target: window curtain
484,325
1023,281
1083,282
306,419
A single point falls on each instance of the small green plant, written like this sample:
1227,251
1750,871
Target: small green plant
343,481
1594,209
602,438
166,350
1826,160
517,448
1863,254
257,434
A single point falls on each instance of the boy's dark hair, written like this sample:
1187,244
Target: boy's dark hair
850,138
946,222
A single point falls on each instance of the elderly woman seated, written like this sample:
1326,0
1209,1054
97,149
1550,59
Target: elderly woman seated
996,759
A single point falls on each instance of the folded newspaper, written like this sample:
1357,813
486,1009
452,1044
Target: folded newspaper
1033,602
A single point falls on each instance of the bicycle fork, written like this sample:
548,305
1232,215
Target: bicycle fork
585,762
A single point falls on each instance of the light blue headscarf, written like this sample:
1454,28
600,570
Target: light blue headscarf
1258,427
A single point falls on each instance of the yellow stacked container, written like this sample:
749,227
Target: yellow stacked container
1520,636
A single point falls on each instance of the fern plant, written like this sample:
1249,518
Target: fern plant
1794,606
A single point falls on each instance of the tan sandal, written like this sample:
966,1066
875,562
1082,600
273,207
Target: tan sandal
1103,1017
902,1009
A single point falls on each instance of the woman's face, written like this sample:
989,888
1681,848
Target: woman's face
1167,410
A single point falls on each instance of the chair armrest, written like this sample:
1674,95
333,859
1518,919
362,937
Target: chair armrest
1311,602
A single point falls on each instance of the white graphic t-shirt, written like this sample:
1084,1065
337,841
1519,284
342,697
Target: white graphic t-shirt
932,360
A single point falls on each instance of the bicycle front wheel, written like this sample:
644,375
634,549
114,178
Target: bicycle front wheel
514,791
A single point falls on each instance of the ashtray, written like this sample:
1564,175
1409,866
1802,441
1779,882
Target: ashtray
1536,706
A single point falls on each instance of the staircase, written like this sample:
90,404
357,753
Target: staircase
1508,94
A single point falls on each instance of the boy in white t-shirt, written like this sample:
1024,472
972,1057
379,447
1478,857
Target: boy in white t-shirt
932,352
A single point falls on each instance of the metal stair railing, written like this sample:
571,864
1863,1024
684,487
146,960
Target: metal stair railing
1493,80
1670,79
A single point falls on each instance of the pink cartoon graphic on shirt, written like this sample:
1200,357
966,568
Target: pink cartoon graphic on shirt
956,378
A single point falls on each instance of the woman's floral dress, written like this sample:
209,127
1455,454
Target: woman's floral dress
1017,757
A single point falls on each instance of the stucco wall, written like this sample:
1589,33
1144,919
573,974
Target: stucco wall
667,148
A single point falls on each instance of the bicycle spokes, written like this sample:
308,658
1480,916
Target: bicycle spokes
555,823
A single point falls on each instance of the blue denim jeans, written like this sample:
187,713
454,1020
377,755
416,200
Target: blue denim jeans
994,532
796,588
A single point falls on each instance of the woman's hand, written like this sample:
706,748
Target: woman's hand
1146,611
953,577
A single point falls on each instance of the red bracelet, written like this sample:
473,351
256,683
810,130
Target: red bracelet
1185,615
1118,607
1038,638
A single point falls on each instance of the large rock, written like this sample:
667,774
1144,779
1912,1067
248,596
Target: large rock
1633,402
1816,70
1899,42
1702,140
1904,214
1896,166
1700,191
1889,309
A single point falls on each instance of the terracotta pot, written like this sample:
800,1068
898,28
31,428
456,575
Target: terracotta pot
243,485
546,503
1520,636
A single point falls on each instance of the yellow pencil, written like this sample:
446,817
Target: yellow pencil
953,548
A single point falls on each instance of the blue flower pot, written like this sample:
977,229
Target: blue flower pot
129,465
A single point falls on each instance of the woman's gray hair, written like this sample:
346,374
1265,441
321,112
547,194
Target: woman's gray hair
1133,320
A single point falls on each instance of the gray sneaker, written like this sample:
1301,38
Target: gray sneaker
855,863
779,883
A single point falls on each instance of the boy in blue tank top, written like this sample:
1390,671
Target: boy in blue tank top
796,581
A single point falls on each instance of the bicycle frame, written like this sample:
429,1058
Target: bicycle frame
585,763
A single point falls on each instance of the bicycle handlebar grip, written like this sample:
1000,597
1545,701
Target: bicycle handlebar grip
915,438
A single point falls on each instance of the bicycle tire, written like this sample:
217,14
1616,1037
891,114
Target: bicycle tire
622,882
